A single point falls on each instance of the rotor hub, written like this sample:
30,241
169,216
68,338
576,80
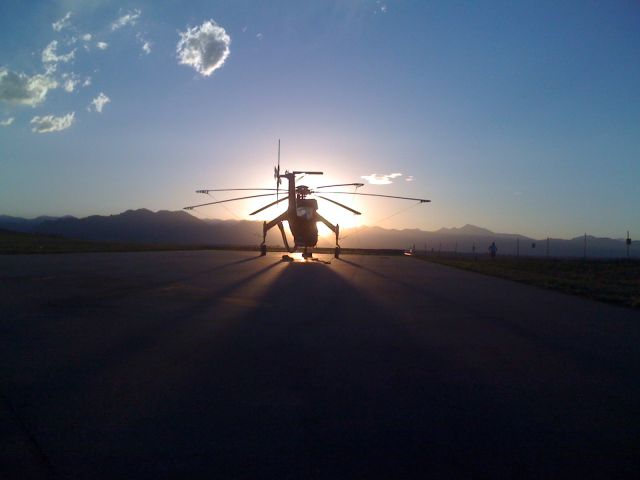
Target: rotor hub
302,191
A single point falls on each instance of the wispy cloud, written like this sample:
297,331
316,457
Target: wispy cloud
86,37
205,48
49,54
409,178
98,103
259,36
6,122
62,23
129,18
19,88
49,123
70,81
381,178
380,7
102,45
146,45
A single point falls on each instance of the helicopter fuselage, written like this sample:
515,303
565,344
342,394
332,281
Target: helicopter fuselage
302,214
303,222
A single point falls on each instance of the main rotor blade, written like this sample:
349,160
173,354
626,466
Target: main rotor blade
229,200
240,189
343,185
268,206
421,200
339,204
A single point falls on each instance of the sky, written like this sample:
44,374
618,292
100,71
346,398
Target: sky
520,117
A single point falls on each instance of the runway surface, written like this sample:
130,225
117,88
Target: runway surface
225,365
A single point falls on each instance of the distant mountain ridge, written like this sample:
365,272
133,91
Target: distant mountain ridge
180,227
467,229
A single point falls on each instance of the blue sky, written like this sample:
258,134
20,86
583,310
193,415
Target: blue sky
516,116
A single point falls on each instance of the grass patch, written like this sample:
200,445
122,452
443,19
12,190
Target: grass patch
612,281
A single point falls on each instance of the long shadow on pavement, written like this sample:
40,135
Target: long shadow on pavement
319,382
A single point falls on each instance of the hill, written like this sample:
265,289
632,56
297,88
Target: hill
182,228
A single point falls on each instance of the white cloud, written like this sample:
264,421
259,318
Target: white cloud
50,68
86,37
128,19
7,122
98,103
380,7
381,178
62,23
22,89
259,36
409,178
49,54
49,123
102,45
70,81
87,82
205,48
146,45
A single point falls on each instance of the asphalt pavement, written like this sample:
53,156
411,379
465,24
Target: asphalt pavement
210,364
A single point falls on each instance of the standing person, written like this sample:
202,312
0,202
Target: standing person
493,249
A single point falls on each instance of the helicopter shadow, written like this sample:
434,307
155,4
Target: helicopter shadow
319,377
385,277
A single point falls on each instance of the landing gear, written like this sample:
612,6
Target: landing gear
306,254
336,253
263,250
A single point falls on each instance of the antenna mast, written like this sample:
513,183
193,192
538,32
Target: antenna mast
278,178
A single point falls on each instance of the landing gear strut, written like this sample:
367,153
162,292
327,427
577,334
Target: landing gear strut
336,253
263,250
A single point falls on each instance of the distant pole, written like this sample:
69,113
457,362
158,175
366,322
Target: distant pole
517,247
628,242
547,246
585,246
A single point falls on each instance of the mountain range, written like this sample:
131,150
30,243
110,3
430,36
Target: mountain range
179,227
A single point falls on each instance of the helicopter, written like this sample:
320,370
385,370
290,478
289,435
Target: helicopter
302,212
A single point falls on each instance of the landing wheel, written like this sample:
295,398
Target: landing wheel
263,250
336,253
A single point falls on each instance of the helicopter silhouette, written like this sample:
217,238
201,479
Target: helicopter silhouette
302,212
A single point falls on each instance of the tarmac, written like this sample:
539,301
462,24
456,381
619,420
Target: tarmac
211,364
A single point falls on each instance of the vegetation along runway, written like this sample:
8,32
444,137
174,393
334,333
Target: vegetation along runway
228,365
